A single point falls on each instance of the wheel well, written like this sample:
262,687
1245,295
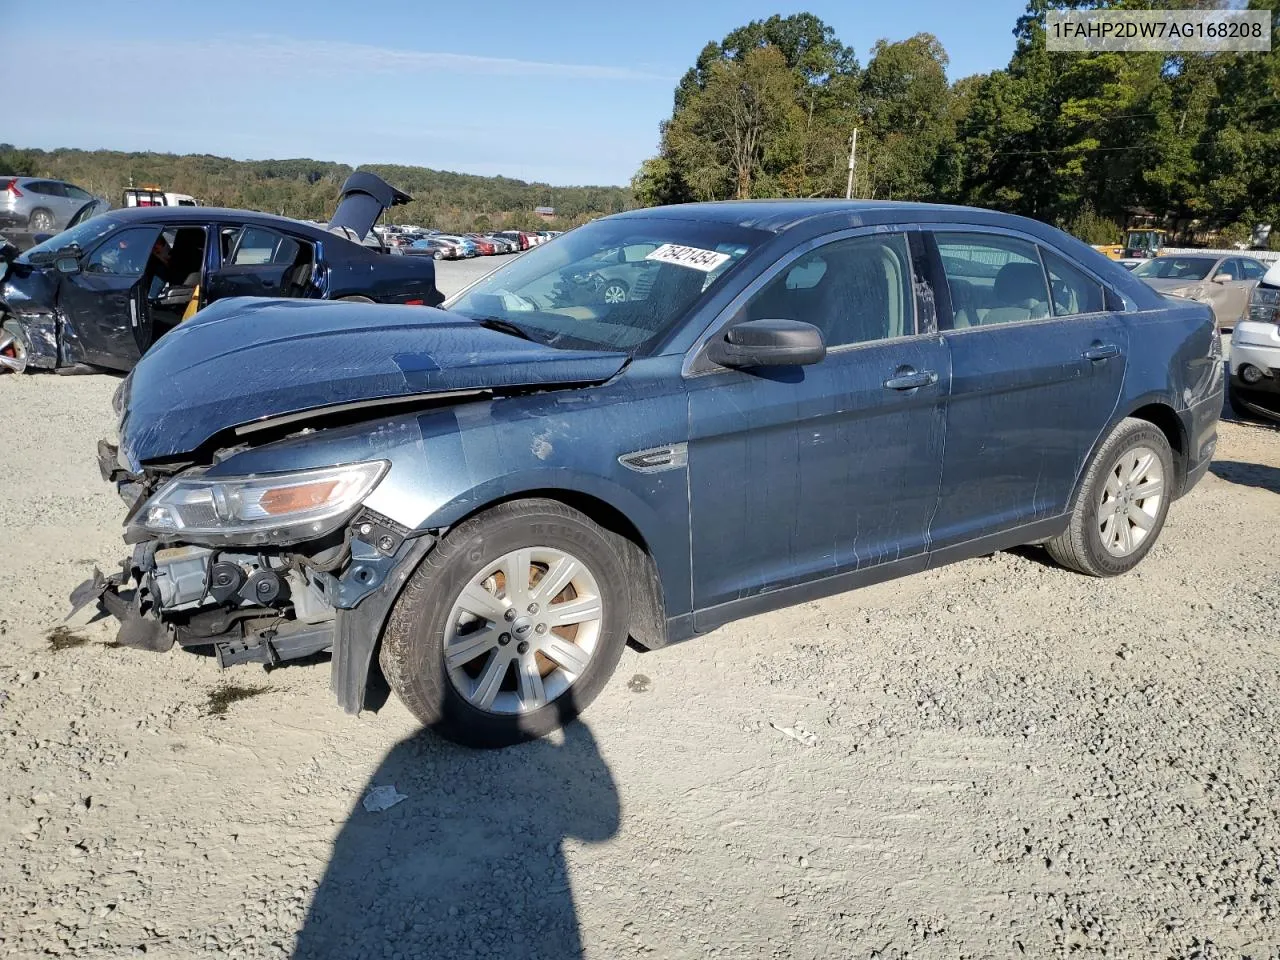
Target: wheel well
648,611
1166,420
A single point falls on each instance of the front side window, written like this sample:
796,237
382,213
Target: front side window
622,284
125,254
993,279
854,291
1073,290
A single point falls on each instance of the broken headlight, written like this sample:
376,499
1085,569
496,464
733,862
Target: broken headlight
261,509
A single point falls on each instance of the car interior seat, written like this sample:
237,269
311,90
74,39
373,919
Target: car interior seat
861,296
964,304
1019,294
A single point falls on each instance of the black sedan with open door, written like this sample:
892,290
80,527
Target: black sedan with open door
98,295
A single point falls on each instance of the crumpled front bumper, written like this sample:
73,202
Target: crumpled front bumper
140,626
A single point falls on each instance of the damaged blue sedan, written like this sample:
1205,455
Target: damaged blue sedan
487,501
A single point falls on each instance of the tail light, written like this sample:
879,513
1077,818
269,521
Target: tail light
12,187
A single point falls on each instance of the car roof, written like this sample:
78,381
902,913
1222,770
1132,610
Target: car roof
219,215
778,216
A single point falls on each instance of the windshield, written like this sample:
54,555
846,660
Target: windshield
81,235
1175,268
619,284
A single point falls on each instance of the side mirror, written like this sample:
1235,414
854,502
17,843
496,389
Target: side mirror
1223,278
768,343
67,265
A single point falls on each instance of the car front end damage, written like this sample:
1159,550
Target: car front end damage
258,569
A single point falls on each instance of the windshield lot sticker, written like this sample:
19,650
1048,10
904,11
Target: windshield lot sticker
698,259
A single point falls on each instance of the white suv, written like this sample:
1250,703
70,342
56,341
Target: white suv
1255,352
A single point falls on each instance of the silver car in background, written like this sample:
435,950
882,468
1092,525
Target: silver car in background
1223,282
32,205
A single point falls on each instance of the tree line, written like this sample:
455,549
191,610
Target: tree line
308,189
1091,142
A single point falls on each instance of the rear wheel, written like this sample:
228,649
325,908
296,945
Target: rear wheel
40,221
510,627
614,291
1121,505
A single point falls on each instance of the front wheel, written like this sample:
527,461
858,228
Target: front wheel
1121,505
13,353
615,291
510,627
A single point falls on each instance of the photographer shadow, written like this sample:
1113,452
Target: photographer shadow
471,863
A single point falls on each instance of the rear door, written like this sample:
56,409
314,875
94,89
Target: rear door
256,262
1037,365
797,474
104,302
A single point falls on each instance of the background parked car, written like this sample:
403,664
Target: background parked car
1222,282
1254,389
432,247
36,205
102,293
467,246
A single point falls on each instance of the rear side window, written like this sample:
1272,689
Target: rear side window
1073,291
993,279
258,247
1250,270
855,291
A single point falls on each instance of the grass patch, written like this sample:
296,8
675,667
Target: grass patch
64,638
222,698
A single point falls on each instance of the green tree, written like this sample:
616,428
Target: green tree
728,137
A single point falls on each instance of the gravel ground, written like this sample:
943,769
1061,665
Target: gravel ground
995,759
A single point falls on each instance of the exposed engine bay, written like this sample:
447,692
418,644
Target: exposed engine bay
266,605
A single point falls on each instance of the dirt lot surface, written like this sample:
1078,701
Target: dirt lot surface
997,759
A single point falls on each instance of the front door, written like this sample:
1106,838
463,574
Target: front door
803,473
1037,366
106,320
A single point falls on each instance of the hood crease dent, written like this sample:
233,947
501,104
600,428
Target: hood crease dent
242,362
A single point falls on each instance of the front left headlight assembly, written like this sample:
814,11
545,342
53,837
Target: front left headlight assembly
274,508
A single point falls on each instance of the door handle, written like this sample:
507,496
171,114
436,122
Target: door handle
1101,351
911,380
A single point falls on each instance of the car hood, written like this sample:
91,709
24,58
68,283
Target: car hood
245,363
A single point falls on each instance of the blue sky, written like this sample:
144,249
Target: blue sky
563,91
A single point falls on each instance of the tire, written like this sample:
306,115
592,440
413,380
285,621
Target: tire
437,255
1238,409
40,221
428,620
1134,460
614,291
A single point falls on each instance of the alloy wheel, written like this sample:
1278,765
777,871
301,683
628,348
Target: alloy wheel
1129,504
523,630
615,293
12,355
